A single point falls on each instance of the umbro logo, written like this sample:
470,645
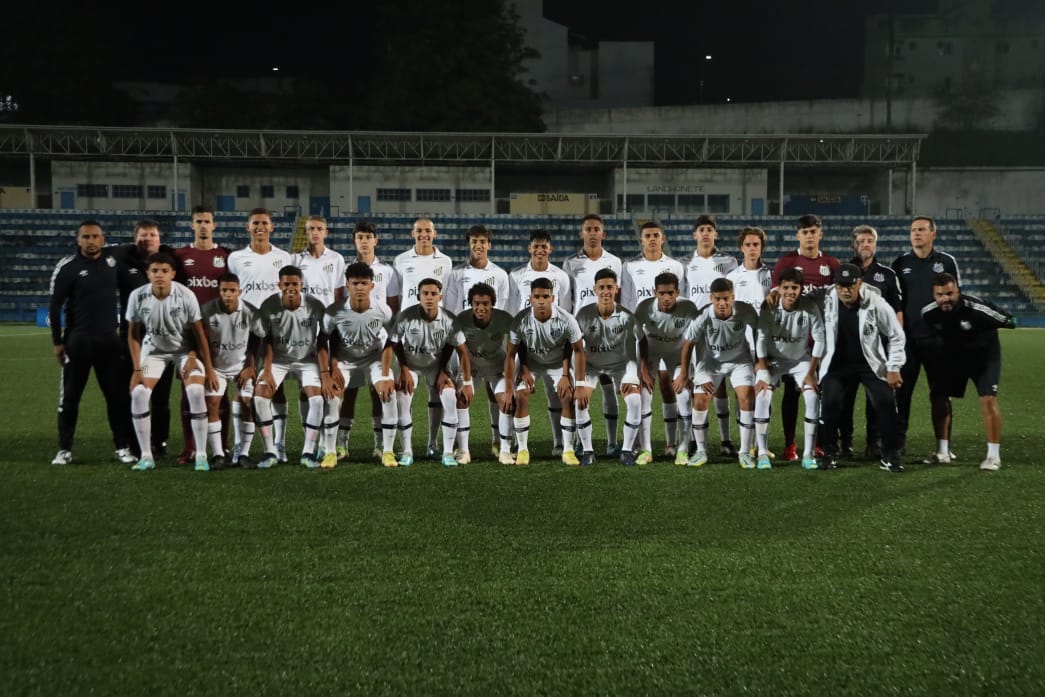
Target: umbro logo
189,262
83,273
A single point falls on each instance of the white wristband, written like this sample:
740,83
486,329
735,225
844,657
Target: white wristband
762,376
385,378
466,383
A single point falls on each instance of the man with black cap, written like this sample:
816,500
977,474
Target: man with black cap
865,345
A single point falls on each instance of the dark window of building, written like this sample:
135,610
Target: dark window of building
433,194
718,203
293,191
691,203
268,191
393,195
156,191
636,202
473,194
243,191
661,200
944,48
1001,48
127,191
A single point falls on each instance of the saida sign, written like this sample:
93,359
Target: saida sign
554,203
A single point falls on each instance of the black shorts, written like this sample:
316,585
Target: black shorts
983,369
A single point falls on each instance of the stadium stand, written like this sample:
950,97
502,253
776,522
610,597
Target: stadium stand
33,241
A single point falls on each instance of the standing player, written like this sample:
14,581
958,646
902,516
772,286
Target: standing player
969,328
818,270
423,339
358,331
549,335
85,286
639,273
478,269
257,265
638,283
200,264
610,337
752,279
865,247
414,265
916,270
228,323
539,266
484,328
323,268
385,292
720,333
782,348
662,322
581,268
295,344
702,267
864,344
164,328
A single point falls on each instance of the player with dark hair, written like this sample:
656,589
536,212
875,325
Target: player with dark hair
916,270
478,269
969,329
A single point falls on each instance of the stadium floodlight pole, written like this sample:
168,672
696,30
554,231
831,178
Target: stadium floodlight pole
889,193
174,173
914,185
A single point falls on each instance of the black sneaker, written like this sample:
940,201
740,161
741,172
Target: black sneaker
848,452
219,462
587,459
728,449
828,462
891,466
246,463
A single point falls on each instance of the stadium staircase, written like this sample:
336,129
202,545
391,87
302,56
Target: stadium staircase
1011,261
34,240
300,240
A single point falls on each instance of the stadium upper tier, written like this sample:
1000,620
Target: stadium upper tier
33,241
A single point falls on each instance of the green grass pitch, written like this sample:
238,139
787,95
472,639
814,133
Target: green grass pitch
494,580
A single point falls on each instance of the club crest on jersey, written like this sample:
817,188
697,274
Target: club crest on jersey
879,277
111,262
680,322
937,267
373,324
825,270
215,322
556,332
219,262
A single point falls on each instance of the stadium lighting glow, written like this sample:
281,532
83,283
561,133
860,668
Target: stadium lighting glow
275,69
707,57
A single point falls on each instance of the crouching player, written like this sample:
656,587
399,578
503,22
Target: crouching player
720,333
610,339
164,327
358,332
662,322
292,325
228,322
484,329
423,341
545,336
782,348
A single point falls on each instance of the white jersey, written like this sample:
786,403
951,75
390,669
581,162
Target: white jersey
485,344
386,282
581,271
664,331
167,322
700,272
721,341
258,273
783,336
293,333
322,275
423,340
636,283
522,276
751,285
357,337
609,343
412,268
545,341
464,276
227,333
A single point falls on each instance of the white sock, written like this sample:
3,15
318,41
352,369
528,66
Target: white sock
313,423
235,409
464,424
763,401
812,401
646,406
406,421
504,430
554,412
583,422
747,430
263,409
246,437
994,450
684,402
214,437
632,420
722,409
700,429
195,394
522,432
943,447
279,423
389,420
332,425
140,396
671,421
569,429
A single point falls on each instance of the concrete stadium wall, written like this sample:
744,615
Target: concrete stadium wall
971,193
67,175
1019,110
359,192
741,190
310,182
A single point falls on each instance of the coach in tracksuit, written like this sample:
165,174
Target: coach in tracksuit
85,285
865,345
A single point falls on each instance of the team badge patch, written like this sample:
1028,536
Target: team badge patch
938,267
219,262
825,270
879,277
110,261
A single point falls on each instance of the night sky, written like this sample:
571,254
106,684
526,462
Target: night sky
794,50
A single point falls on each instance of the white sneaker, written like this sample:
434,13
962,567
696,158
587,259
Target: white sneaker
505,458
990,464
938,459
125,457
464,458
64,457
281,452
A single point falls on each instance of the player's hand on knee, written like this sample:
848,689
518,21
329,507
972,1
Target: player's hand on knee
678,385
384,389
526,377
405,382
467,394
582,395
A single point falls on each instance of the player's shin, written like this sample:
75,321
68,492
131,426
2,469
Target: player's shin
645,435
610,412
700,429
141,419
747,429
389,419
194,393
763,401
812,401
331,424
722,410
632,420
313,423
464,425
406,421
685,399
583,425
263,411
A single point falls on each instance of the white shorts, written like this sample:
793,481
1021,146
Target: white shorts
358,375
428,376
627,375
551,376
228,377
495,382
739,374
797,370
153,365
307,373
